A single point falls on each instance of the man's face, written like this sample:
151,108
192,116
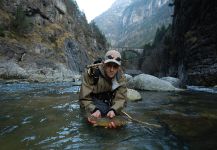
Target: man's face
111,69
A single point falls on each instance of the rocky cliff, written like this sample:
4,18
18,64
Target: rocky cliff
133,23
195,40
45,40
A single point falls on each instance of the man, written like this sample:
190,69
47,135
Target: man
103,89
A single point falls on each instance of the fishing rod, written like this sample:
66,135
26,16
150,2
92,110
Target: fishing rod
141,122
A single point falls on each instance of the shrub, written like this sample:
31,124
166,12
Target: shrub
1,3
2,31
21,24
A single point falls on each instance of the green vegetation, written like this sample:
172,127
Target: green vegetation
2,31
129,55
97,34
159,37
159,34
159,54
130,58
1,3
21,24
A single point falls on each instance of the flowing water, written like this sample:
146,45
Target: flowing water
48,116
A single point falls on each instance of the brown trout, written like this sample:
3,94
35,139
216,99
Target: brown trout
104,122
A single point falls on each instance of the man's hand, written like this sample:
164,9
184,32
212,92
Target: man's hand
96,114
111,114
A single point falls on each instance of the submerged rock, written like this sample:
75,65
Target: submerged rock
193,129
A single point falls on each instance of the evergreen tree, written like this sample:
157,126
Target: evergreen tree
159,35
98,35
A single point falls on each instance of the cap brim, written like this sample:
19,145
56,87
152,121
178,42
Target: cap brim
112,60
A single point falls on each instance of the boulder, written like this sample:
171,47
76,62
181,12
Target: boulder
128,77
58,74
11,70
133,95
151,83
174,81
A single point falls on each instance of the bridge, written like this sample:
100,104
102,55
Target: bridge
122,49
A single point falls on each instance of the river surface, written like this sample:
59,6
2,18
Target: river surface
48,116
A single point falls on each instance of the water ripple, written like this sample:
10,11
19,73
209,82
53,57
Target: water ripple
68,106
47,140
203,89
39,88
8,129
28,138
27,120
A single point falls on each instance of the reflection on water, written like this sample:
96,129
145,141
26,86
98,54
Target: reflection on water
48,116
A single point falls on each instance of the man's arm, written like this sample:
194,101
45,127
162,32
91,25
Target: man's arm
84,96
119,100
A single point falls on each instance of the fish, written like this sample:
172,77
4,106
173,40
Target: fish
105,121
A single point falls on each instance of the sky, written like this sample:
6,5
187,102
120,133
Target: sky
93,8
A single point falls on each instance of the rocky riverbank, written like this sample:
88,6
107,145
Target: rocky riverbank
46,41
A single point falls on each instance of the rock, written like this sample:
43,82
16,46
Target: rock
133,72
47,74
133,95
37,78
151,83
61,7
174,81
128,77
53,41
195,36
11,70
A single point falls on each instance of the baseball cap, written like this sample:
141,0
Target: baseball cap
113,56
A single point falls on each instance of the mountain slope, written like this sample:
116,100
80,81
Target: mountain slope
134,23
45,40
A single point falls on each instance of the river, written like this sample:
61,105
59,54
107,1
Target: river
48,116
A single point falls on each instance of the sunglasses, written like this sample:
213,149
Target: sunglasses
111,57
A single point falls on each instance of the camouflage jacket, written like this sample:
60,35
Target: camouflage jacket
103,84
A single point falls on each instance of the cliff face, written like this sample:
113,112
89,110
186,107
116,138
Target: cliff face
133,23
46,40
110,21
195,38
